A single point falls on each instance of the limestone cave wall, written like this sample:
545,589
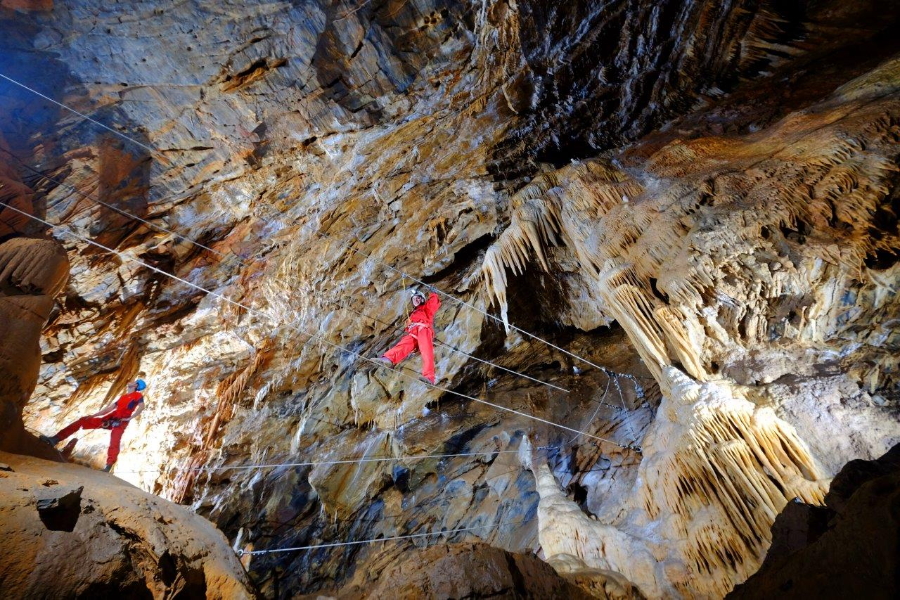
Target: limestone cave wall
699,196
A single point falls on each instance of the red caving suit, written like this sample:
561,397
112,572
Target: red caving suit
419,336
125,406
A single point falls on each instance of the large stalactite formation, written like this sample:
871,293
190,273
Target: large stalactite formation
699,197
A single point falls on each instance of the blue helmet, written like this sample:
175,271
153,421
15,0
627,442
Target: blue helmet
140,385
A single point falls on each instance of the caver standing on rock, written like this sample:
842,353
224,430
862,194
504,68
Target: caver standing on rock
419,335
115,417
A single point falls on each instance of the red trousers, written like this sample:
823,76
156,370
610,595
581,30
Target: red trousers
422,339
115,438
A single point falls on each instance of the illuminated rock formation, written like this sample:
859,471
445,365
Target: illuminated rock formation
807,210
681,184
82,533
32,273
716,471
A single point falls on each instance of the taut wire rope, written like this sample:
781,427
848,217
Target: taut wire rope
312,463
226,256
638,388
271,318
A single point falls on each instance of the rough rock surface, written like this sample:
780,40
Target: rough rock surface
32,273
850,548
71,532
462,571
746,235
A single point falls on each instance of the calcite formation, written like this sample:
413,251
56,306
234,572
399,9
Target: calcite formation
808,212
716,471
702,195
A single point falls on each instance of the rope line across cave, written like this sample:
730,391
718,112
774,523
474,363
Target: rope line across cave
387,539
322,339
224,255
638,388
347,461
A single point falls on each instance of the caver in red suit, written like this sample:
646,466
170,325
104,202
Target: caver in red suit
114,417
419,334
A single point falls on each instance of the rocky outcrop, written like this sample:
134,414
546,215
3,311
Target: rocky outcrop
32,273
465,571
85,534
850,548
127,542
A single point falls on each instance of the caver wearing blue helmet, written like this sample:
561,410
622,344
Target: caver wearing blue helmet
114,417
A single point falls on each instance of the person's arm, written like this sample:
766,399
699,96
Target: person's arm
137,411
106,409
432,305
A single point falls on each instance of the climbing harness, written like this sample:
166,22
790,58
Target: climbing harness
463,352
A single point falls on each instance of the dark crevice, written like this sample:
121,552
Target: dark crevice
462,259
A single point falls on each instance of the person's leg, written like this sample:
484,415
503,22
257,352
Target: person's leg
425,337
115,441
401,350
82,423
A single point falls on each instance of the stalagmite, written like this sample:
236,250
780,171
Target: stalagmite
565,531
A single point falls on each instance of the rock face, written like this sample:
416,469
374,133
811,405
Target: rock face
715,472
84,534
700,196
32,273
464,571
850,548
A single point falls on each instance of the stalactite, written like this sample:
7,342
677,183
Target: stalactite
802,215
228,391
723,468
716,472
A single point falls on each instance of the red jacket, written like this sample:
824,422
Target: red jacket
424,314
126,405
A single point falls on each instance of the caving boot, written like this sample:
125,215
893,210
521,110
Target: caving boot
50,439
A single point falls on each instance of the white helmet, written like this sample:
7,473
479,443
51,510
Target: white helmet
415,293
